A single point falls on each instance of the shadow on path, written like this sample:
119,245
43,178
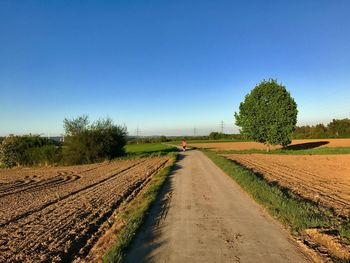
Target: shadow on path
144,241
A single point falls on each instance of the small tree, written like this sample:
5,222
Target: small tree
268,114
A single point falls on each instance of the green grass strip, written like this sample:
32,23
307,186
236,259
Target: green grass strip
296,213
134,212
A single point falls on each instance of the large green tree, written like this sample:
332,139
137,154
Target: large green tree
268,114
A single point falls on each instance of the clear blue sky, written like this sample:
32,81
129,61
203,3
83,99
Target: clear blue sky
168,66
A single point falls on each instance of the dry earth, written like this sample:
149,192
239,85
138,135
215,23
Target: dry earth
53,214
321,178
316,143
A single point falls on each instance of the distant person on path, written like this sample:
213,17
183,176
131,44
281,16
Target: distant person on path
184,144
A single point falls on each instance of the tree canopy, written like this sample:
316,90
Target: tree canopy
268,114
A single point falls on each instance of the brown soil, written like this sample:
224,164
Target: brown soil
322,242
322,178
311,143
53,214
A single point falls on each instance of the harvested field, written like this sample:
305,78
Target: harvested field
52,214
303,144
322,178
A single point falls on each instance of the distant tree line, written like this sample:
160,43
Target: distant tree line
335,129
224,136
84,142
153,139
211,136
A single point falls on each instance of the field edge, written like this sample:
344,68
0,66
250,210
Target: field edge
131,215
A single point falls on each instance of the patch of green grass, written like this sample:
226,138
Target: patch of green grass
297,213
322,150
344,231
134,212
148,148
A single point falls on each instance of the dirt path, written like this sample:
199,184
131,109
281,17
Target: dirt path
204,216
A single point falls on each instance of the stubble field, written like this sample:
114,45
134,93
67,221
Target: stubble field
53,214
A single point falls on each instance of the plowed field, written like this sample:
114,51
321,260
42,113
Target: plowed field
51,214
321,178
301,144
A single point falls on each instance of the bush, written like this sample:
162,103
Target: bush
27,150
87,143
44,155
8,154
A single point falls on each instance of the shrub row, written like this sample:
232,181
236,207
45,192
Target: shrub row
27,150
83,143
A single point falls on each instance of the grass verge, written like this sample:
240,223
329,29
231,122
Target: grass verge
296,213
133,213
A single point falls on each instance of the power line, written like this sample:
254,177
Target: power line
138,132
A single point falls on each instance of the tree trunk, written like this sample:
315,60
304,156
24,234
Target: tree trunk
267,147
